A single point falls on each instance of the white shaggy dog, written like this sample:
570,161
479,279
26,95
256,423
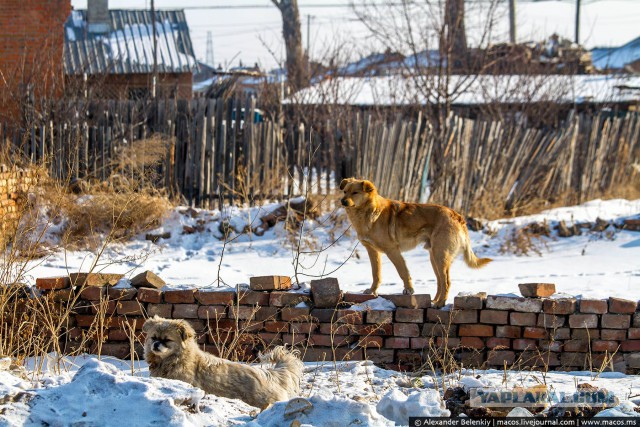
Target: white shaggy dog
172,352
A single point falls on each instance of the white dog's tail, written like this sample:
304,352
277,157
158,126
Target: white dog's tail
288,367
469,257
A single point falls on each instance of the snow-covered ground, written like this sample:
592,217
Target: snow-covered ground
594,264
108,392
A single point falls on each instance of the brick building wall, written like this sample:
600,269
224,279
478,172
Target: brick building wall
481,331
31,48
14,184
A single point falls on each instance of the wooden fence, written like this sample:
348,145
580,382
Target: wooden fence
218,150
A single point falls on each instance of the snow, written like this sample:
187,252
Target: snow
378,303
398,407
89,391
594,265
399,90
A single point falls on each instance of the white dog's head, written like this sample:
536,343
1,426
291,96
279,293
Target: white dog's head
166,337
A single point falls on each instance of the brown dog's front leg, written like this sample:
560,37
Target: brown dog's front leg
376,269
398,260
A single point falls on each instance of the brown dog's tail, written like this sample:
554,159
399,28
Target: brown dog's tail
469,257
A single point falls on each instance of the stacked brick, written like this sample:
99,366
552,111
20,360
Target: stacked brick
14,183
480,331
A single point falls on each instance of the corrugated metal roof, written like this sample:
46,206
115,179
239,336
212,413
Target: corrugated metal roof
128,46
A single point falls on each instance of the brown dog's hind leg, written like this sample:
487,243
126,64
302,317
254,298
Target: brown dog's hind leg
398,261
441,261
439,280
376,269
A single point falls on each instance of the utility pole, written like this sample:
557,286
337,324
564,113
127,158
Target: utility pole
512,21
209,56
154,78
308,36
577,39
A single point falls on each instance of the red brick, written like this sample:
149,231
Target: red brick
242,312
537,333
370,341
379,316
524,344
418,343
472,342
634,334
410,358
270,338
323,315
380,356
149,295
576,346
537,290
214,298
249,326
438,329
385,329
550,321
410,315
494,342
468,330
508,331
500,357
555,346
616,321
269,283
285,299
94,279
561,333
212,312
130,308
252,298
185,311
121,351
464,316
397,342
523,319
610,346
276,326
630,345
448,342
179,296
406,330
298,314
162,310
583,321
435,315
303,328
125,294
93,293
410,301
336,328
615,334
330,340
349,316
494,317
623,306
559,306
468,302
593,306
104,306
326,292
291,339
585,334
266,313
355,298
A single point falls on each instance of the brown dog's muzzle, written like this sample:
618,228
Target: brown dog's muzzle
345,202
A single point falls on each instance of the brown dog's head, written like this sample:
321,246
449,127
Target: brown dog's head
356,192
166,337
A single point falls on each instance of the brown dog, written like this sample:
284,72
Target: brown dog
394,227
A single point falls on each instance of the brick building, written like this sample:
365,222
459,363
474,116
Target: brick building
113,51
31,49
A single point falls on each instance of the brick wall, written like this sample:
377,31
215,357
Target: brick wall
31,45
482,331
14,183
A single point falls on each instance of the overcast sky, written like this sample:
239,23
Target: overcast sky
252,33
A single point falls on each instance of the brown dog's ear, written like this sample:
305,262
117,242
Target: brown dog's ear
186,331
368,186
344,182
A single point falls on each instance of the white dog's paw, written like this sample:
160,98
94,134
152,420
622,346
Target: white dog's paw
407,291
370,292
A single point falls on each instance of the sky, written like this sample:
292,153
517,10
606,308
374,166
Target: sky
250,30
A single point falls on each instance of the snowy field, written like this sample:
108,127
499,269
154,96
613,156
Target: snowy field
108,392
594,264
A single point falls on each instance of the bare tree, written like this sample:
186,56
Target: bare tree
297,72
